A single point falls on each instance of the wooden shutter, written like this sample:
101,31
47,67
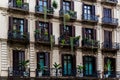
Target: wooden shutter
37,24
10,23
74,64
47,59
61,4
83,33
94,64
105,36
93,10
25,25
37,2
94,34
72,5
73,31
49,3
50,29
83,9
61,29
110,36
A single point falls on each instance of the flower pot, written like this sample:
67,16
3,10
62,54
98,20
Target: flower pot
81,75
39,73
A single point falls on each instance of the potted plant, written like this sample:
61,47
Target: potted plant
67,17
54,4
106,68
24,64
80,70
40,69
56,67
19,3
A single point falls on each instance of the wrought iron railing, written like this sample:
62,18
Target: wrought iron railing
113,21
20,5
17,35
40,9
110,45
90,43
73,14
64,40
111,1
90,17
44,38
18,72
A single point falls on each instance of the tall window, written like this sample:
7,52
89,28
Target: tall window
43,60
66,5
108,39
68,65
89,33
90,66
45,30
107,13
88,11
42,4
18,56
110,63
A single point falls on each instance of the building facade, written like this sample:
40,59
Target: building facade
33,30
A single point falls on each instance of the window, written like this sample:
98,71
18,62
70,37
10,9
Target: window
17,24
18,56
43,59
42,4
110,63
107,13
68,65
89,33
66,5
90,65
88,11
67,31
45,30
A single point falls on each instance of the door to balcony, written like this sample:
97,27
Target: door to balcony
18,57
43,62
90,66
68,65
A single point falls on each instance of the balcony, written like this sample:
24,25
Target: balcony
72,14
40,11
18,73
107,46
44,39
90,44
65,41
110,2
18,37
90,0
113,22
88,18
18,7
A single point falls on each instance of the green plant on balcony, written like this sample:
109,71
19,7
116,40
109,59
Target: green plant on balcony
62,41
67,17
37,31
80,70
71,13
16,31
54,4
19,3
57,67
41,69
25,36
24,64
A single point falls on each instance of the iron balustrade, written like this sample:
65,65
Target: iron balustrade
107,20
73,14
113,1
13,35
90,17
110,45
90,43
66,41
23,6
18,72
40,9
44,38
